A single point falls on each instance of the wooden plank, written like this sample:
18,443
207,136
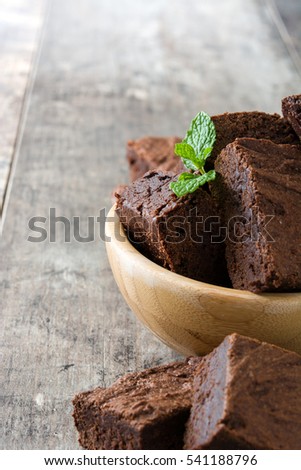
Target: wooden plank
290,13
108,71
20,24
286,16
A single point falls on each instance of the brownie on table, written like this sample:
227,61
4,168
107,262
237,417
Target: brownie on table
150,153
255,124
180,234
144,410
258,188
246,395
291,109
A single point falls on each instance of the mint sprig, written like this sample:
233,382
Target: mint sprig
194,149
190,182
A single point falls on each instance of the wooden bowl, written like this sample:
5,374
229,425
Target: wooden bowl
193,317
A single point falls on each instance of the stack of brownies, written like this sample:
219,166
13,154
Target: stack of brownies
238,226
244,395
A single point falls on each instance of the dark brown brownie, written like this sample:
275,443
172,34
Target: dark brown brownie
291,109
149,153
258,187
180,234
246,395
255,124
144,410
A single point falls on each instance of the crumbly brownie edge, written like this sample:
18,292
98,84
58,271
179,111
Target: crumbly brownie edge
254,124
291,110
142,231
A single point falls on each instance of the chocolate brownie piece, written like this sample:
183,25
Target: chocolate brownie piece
258,187
180,234
117,191
246,395
291,109
144,410
258,125
149,153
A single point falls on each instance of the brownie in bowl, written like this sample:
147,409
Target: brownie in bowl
180,234
258,189
254,124
291,109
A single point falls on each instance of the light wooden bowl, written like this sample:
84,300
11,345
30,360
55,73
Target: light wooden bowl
193,317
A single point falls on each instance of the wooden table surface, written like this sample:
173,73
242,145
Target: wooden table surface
78,80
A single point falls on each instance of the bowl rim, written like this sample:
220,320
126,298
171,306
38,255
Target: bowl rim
112,221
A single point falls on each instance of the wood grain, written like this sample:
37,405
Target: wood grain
20,25
108,72
286,17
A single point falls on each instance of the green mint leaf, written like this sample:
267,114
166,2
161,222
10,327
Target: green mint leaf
194,150
187,154
189,184
186,176
210,176
184,150
203,155
201,136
